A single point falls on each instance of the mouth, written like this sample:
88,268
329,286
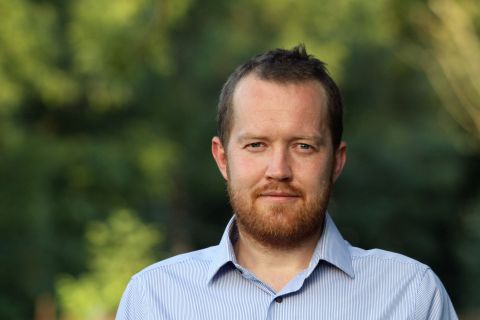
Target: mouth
279,196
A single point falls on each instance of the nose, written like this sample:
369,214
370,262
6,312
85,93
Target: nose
279,167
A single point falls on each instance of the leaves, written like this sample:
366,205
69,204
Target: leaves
111,104
118,248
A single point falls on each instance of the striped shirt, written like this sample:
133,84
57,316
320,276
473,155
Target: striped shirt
341,282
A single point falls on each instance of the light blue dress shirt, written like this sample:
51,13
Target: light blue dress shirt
341,282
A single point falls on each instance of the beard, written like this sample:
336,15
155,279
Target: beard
280,225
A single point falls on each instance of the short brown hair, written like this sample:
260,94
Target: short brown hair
284,66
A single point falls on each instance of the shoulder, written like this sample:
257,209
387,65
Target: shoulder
164,280
182,263
378,257
387,269
402,276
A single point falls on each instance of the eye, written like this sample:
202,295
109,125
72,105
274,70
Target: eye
255,146
305,147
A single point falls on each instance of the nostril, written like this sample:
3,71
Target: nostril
280,175
279,167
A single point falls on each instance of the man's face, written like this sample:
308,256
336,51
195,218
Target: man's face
279,163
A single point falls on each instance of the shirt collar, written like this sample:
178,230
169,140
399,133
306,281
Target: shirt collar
224,252
331,248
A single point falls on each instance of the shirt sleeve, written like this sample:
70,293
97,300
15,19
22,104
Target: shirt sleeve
432,300
132,305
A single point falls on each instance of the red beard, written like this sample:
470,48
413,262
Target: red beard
280,225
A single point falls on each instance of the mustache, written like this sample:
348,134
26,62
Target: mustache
278,188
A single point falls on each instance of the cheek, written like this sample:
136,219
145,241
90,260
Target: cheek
245,169
314,174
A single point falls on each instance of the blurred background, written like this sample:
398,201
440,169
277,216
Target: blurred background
107,109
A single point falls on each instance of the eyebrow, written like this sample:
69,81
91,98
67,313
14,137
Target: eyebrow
314,137
318,139
247,136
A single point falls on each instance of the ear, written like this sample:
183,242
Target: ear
340,159
220,155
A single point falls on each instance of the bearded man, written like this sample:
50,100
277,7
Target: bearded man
279,148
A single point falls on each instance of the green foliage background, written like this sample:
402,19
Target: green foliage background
107,110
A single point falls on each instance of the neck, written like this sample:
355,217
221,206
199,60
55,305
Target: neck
275,266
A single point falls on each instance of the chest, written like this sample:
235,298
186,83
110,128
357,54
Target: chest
324,295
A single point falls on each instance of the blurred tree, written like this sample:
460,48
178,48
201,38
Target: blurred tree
110,104
113,43
117,249
73,145
29,56
444,43
450,56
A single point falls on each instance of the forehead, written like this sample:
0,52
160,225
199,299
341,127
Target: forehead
259,104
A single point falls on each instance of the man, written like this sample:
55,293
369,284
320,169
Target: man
280,151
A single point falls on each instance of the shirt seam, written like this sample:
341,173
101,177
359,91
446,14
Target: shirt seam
165,266
380,258
415,301
143,297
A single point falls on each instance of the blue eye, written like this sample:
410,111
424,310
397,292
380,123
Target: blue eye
305,148
255,145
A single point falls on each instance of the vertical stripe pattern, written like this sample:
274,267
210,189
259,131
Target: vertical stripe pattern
341,282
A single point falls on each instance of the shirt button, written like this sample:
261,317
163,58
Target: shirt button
278,299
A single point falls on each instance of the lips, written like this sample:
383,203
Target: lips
279,194
278,197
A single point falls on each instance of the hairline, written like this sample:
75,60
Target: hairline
229,112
